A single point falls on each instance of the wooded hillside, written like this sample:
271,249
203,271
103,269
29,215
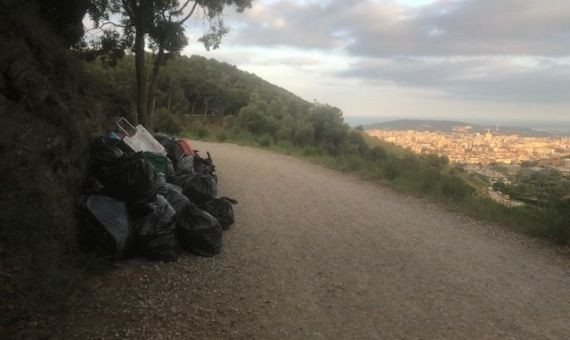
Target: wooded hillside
190,85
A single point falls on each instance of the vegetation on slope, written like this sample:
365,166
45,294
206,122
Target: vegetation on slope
187,86
48,114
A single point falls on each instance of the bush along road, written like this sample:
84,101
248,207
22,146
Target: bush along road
319,254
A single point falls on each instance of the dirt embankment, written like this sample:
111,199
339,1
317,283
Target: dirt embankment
48,113
319,254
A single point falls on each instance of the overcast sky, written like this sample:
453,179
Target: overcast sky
460,59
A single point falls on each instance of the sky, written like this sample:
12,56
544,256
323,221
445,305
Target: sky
491,60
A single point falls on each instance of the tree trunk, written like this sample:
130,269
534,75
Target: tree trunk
140,68
194,105
154,83
169,99
205,110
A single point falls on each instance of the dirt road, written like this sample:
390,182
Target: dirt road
317,254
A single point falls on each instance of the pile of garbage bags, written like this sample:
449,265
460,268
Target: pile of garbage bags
149,204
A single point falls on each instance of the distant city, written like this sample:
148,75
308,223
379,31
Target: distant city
463,145
503,157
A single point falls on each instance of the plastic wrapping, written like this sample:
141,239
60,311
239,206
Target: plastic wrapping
222,209
174,196
156,232
199,232
106,221
200,188
130,178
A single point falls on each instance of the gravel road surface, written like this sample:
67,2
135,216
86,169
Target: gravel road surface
317,254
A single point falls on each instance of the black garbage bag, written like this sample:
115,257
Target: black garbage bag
156,232
200,188
130,178
106,226
170,173
161,180
222,209
104,152
185,166
141,207
199,232
174,196
173,151
163,138
204,166
94,187
203,169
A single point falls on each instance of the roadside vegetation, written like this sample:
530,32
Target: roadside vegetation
426,176
209,100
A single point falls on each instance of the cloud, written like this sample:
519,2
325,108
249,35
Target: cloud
388,28
294,61
291,24
509,57
523,79
505,50
484,27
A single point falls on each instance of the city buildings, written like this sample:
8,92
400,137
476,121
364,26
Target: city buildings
464,147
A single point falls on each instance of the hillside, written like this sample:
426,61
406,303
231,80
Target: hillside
48,113
448,126
190,85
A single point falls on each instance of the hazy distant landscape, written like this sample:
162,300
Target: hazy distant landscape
549,127
448,126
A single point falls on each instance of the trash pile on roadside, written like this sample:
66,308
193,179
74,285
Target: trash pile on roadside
152,195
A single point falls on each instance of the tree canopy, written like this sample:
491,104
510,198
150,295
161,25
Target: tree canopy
162,22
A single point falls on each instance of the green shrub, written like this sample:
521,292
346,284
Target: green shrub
312,151
411,164
455,188
356,142
303,134
202,132
433,160
560,215
390,171
376,154
265,141
429,179
222,136
329,129
165,121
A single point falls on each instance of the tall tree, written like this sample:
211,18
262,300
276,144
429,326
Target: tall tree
163,22
167,36
136,18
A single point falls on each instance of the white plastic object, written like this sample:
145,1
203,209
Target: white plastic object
139,139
